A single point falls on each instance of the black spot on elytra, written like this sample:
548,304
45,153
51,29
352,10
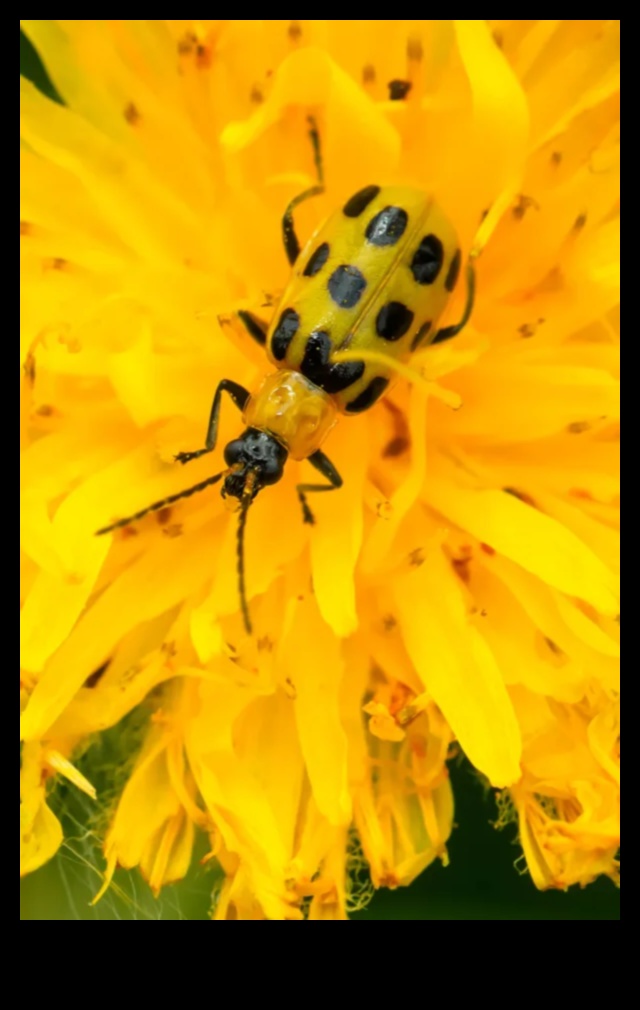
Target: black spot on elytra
315,365
316,355
346,285
317,260
284,333
427,261
421,335
368,396
360,201
387,227
454,271
394,320
398,90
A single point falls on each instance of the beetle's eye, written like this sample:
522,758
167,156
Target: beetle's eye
233,452
271,471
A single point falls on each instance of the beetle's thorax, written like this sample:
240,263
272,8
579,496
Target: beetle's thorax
297,412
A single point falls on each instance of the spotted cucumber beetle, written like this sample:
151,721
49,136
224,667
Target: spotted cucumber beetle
376,276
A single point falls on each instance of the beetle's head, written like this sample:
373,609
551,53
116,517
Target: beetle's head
256,459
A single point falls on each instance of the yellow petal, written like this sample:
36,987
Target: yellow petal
40,829
63,766
337,535
137,596
500,115
458,669
533,540
317,673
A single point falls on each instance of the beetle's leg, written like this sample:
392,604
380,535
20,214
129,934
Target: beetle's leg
328,470
452,331
289,237
314,137
256,328
239,395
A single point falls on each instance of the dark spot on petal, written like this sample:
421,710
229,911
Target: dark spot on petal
132,114
26,228
389,622
396,447
173,530
387,227
398,90
368,396
317,260
30,367
522,205
578,427
528,330
580,222
256,95
394,320
461,568
187,44
360,201
94,678
164,515
427,261
421,335
346,285
454,271
555,648
520,495
417,557
581,492
498,38
294,31
127,532
204,56
488,549
556,157
414,50
284,333
45,410
368,74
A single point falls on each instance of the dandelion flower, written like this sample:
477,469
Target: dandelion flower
459,591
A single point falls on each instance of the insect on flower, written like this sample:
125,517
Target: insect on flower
365,293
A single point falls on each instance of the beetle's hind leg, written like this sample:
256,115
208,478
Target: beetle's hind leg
289,237
452,331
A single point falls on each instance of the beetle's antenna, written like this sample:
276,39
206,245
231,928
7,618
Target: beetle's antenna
242,522
163,503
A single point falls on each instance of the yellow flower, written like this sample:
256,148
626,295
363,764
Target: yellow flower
461,586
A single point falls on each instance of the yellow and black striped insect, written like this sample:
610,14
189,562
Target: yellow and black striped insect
376,276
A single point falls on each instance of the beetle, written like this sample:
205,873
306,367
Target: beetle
376,276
